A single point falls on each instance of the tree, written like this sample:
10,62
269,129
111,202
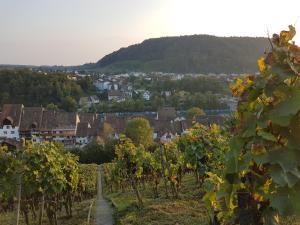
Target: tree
69,104
52,106
139,131
95,153
193,112
107,131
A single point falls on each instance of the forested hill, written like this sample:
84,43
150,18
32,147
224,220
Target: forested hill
187,54
34,89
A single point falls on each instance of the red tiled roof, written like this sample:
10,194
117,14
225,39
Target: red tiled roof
166,113
12,112
58,120
31,117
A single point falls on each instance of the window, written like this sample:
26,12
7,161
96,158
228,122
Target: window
4,132
12,132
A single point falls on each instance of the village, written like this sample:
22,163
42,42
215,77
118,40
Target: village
78,129
155,90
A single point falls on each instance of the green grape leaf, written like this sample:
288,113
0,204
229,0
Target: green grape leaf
266,135
284,111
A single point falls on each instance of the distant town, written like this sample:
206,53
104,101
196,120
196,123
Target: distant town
155,90
74,129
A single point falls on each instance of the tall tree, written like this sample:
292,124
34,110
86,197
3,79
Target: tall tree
139,131
193,112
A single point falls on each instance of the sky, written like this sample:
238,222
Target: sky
74,32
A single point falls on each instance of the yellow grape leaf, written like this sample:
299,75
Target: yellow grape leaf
261,64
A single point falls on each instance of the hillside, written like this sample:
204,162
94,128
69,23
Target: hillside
34,89
187,54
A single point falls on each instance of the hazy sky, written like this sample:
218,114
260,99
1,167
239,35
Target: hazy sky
71,32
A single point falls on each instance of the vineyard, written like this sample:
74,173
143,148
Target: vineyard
247,172
40,181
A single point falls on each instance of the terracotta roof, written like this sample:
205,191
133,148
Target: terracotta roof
59,120
31,118
96,128
83,129
12,112
117,123
87,117
162,127
48,120
66,120
166,113
115,93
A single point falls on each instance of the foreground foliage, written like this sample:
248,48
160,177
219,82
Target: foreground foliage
51,180
200,151
262,176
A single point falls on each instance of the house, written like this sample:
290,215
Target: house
88,101
165,131
115,86
168,125
88,129
31,122
166,113
146,95
115,95
59,127
167,138
10,121
82,134
38,124
102,85
94,99
118,123
65,128
88,117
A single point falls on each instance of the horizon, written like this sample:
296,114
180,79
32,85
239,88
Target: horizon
75,32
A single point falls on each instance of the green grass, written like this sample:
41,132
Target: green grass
80,214
187,210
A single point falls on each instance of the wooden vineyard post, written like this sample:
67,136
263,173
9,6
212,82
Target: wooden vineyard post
19,148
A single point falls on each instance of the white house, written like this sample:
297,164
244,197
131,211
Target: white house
114,95
103,85
89,101
146,95
9,131
94,99
10,120
82,134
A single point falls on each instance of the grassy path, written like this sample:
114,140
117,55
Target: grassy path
103,208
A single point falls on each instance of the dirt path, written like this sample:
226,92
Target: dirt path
103,208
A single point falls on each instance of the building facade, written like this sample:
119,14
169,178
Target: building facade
38,124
